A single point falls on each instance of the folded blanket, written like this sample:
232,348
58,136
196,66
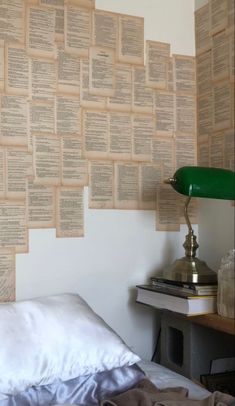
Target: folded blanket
145,393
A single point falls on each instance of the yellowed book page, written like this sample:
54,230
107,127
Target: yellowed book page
142,135
58,6
2,172
101,186
202,29
231,15
40,32
142,95
217,150
69,212
170,76
229,147
203,151
41,119
88,100
185,150
95,133
120,133
167,213
18,166
12,21
82,3
7,275
163,151
156,65
184,74
220,56
122,98
68,72
131,39
14,120
101,71
164,110
46,159
204,114
2,65
77,30
232,109
13,229
104,29
231,58
150,179
68,115
74,170
40,202
59,25
43,79
222,105
126,185
186,114
17,70
204,73
52,3
219,16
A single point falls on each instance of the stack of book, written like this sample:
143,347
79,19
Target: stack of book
186,298
182,288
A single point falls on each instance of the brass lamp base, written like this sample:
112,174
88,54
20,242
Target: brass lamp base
190,269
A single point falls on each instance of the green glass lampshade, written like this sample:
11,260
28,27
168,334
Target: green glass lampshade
212,183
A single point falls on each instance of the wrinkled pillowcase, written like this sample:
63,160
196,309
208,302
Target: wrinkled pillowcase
55,338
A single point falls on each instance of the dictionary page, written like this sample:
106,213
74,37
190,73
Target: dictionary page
7,275
95,133
150,179
142,99
40,32
12,20
89,100
126,185
164,110
69,212
143,132
18,166
104,29
74,170
202,29
157,54
17,70
167,214
40,202
68,73
77,30
131,39
101,71
101,185
46,159
120,133
122,98
13,230
14,120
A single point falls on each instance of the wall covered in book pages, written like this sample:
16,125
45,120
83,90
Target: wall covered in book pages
83,104
214,29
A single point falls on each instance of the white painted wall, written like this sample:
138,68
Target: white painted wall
120,248
216,221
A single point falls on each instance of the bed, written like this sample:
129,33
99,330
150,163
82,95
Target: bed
57,350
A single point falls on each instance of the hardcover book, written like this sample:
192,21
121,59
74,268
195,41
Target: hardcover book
189,304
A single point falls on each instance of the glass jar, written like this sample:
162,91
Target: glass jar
226,286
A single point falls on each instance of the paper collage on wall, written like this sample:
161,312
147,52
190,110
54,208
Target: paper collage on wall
82,105
214,27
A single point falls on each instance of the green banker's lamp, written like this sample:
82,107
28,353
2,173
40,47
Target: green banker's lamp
196,181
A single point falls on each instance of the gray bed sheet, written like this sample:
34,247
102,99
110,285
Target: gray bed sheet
90,389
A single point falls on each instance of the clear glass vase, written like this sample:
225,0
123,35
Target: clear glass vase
226,286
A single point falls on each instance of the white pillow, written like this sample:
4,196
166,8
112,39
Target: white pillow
55,338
